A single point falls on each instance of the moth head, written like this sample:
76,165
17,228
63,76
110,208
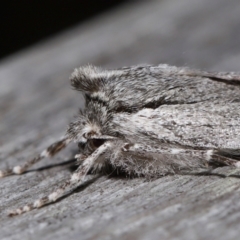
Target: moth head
87,133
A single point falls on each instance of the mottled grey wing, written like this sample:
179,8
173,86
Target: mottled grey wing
152,86
204,125
132,88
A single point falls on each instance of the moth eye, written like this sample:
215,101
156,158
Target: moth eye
81,145
97,142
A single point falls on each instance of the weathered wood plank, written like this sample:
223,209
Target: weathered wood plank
37,103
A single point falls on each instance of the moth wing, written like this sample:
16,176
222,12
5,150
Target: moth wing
207,125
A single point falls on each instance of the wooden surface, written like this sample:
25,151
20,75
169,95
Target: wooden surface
36,103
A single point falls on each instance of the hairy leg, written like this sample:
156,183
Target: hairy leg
48,152
144,160
76,179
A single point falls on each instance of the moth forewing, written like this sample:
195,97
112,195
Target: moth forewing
201,125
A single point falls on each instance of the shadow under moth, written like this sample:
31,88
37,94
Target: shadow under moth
148,121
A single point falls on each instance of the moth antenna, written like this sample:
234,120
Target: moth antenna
76,179
228,157
225,77
48,152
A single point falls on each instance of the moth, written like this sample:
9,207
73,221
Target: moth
148,121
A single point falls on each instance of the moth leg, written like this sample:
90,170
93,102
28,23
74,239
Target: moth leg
76,179
48,152
228,157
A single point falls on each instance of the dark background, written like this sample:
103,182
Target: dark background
26,22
